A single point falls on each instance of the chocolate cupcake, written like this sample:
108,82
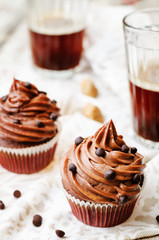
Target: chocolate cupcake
28,133
102,178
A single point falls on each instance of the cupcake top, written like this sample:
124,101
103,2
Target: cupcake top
27,115
102,168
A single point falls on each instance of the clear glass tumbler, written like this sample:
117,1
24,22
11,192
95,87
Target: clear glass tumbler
141,30
56,29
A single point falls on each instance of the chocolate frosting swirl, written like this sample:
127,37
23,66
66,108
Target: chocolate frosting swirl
89,183
25,114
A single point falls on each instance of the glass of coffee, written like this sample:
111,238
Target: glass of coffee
56,29
141,30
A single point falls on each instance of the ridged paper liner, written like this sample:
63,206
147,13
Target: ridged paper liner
28,160
98,215
30,150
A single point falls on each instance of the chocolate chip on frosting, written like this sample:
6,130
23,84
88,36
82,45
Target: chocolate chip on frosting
79,140
123,199
2,206
4,98
60,233
17,194
53,101
110,174
17,121
53,116
100,152
42,92
27,85
137,178
133,150
157,218
37,220
72,167
142,180
125,148
39,124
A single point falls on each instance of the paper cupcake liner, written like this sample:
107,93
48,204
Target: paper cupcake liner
98,215
28,160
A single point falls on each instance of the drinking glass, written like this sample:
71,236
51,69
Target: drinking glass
56,29
141,30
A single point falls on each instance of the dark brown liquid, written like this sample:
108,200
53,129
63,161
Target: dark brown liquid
145,105
56,52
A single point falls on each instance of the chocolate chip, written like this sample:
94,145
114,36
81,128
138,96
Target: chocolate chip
53,116
123,199
39,124
78,140
4,98
110,174
100,152
125,148
16,121
53,101
2,206
17,194
133,150
72,167
142,180
157,218
60,233
42,92
137,178
37,220
27,85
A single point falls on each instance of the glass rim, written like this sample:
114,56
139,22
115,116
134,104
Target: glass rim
145,10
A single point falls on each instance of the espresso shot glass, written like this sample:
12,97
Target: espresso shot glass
141,30
56,29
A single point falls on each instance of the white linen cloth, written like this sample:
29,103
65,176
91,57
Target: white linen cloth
42,192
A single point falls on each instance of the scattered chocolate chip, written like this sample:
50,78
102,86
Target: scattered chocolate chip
60,233
157,218
72,167
53,116
4,98
27,85
2,206
16,121
100,152
17,194
79,140
53,101
125,148
137,178
42,92
133,150
39,124
142,180
110,174
123,199
37,220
